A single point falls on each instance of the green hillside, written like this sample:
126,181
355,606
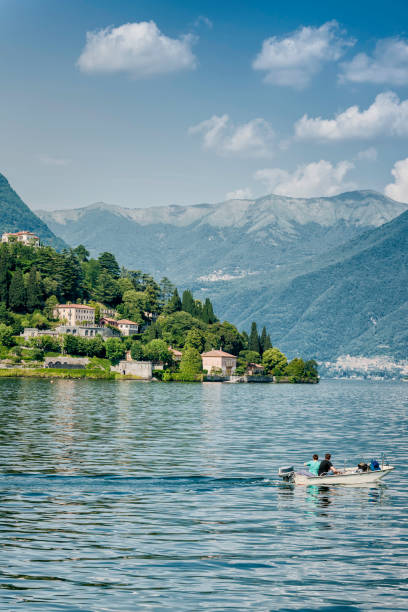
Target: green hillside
357,304
16,216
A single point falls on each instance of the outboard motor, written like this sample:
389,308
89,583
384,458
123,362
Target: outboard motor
286,473
363,467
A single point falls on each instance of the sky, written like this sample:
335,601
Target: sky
141,103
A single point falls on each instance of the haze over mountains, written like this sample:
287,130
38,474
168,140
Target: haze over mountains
327,275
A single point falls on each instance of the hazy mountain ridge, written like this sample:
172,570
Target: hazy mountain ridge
15,216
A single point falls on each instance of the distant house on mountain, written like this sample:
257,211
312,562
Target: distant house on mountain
25,237
216,360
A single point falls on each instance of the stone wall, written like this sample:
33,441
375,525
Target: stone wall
66,363
141,369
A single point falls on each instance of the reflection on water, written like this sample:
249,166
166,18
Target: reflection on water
122,496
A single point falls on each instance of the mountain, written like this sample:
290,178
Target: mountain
15,216
233,239
323,274
358,304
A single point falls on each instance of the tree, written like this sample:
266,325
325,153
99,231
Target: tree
108,262
4,274
33,291
187,302
208,315
6,335
296,368
191,363
157,350
166,290
115,350
267,344
50,304
253,343
265,340
311,369
81,252
196,339
17,292
107,290
136,351
274,361
174,304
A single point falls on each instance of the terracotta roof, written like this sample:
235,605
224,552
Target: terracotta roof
74,306
217,354
126,322
20,234
257,365
175,352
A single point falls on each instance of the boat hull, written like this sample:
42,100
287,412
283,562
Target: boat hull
348,477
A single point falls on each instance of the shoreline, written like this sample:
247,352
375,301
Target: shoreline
77,374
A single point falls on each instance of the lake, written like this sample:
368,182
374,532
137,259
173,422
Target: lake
146,496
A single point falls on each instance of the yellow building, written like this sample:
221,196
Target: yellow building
214,361
75,314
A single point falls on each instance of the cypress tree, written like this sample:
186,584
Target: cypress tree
33,291
262,339
268,343
174,304
17,292
208,315
187,302
254,344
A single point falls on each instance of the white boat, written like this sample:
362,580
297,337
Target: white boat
348,476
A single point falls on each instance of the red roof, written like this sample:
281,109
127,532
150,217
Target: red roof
21,234
126,322
75,306
217,354
175,352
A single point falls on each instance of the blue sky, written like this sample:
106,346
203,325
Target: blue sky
157,103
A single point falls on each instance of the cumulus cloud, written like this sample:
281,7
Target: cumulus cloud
239,194
369,154
398,190
294,59
139,49
386,116
251,139
388,64
310,180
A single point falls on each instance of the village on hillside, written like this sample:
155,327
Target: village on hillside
115,323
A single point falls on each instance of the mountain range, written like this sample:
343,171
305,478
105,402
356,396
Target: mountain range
326,275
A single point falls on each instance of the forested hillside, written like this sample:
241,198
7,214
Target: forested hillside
16,216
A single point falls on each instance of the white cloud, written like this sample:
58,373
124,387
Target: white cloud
294,59
398,190
203,20
310,180
388,64
369,154
48,160
251,139
139,49
386,116
239,194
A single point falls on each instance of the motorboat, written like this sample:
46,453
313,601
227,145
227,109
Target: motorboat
359,475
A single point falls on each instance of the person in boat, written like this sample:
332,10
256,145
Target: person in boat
314,465
326,466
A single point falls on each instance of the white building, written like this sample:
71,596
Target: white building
75,314
25,237
126,327
216,361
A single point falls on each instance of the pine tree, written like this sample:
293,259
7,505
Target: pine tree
108,262
33,292
17,292
254,344
187,302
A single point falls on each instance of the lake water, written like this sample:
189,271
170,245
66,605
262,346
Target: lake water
140,496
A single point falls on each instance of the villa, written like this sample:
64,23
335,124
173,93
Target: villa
216,361
25,237
127,327
75,314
